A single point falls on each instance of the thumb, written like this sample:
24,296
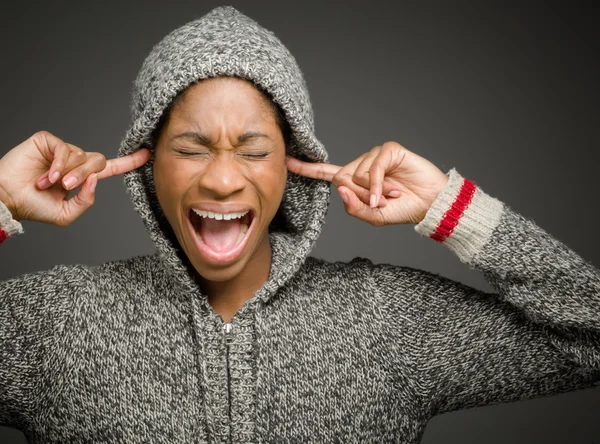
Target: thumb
84,199
353,205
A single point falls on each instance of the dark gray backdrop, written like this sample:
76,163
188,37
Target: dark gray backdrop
506,93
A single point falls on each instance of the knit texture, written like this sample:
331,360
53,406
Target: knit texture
131,350
8,225
225,42
479,213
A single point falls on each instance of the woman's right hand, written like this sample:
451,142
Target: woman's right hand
35,178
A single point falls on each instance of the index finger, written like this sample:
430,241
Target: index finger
121,165
314,170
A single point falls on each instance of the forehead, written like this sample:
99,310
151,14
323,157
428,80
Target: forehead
217,104
223,94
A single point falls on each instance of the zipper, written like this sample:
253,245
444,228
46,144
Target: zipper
227,327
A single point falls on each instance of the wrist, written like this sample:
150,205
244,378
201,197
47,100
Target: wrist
434,196
463,217
8,202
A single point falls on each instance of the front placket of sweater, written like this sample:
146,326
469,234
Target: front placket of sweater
225,353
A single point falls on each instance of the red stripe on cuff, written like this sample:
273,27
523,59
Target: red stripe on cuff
3,236
452,216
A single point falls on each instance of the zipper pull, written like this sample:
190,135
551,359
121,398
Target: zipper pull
227,327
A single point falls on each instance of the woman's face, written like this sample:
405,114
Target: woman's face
221,151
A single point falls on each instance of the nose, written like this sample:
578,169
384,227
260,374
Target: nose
222,176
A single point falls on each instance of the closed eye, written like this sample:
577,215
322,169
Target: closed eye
256,156
191,153
204,153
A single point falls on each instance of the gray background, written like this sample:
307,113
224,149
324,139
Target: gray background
505,92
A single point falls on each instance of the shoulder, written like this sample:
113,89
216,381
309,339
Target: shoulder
63,280
54,280
134,275
318,265
136,267
382,272
390,282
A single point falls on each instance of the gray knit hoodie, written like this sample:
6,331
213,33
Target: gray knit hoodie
131,351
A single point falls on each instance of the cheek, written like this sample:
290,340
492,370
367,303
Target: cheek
170,179
272,180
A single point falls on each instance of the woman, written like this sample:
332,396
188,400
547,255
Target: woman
231,332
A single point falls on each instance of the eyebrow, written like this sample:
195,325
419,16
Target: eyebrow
204,140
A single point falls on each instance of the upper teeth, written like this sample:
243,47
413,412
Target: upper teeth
219,216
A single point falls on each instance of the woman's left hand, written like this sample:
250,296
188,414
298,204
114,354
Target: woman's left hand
387,185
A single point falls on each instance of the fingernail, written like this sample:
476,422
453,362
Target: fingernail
343,196
93,186
44,183
70,182
373,201
394,193
54,176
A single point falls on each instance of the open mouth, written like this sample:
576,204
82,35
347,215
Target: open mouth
221,238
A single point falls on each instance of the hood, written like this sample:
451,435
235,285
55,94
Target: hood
225,42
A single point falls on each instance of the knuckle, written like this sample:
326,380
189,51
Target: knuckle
100,158
337,179
40,138
391,145
78,153
58,163
347,182
375,169
97,160
42,134
359,179
62,149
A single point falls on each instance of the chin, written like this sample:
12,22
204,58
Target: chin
218,274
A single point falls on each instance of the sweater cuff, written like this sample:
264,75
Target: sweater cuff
462,217
8,225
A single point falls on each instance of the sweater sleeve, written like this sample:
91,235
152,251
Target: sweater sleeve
33,311
8,225
537,335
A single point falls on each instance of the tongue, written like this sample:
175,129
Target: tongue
220,235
